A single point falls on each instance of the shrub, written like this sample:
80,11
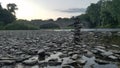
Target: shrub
20,26
49,26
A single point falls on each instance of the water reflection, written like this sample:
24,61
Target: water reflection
90,64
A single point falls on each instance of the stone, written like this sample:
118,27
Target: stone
112,57
75,57
89,54
67,66
101,61
31,61
41,55
7,62
81,61
106,54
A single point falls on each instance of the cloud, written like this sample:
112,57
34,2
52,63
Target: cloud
73,10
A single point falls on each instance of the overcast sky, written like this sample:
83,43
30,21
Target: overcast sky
45,9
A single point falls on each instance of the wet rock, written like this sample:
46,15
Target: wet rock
115,46
81,61
70,53
67,66
54,62
75,57
100,50
112,57
63,55
101,61
43,63
7,61
41,55
89,54
106,53
31,61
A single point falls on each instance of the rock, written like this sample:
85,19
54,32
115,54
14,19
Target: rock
43,63
41,54
70,53
53,60
81,61
115,46
112,57
67,66
101,61
54,63
68,61
7,62
63,55
101,47
75,57
100,50
106,54
89,54
31,61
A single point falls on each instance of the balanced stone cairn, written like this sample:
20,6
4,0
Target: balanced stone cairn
77,32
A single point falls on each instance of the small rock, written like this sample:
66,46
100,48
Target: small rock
75,56
112,57
101,61
41,54
81,62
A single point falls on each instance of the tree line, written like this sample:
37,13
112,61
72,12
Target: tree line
104,14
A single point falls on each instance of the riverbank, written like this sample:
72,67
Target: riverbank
21,46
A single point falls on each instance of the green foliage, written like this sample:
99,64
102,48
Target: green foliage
6,16
1,25
105,14
49,26
20,26
93,11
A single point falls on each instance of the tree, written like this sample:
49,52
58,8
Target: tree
12,7
6,16
93,11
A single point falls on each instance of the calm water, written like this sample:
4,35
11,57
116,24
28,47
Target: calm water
90,62
88,29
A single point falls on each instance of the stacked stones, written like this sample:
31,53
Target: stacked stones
77,32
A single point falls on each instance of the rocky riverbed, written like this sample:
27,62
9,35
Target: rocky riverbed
20,49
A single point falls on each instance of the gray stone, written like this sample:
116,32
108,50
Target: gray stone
112,57
101,61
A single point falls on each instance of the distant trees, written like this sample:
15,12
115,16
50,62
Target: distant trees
105,13
49,26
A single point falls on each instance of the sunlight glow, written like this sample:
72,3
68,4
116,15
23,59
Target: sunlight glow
41,9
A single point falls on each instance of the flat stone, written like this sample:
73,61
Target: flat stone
81,61
113,57
106,53
7,62
31,61
75,56
101,61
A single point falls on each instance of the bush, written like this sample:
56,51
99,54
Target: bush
1,25
49,26
20,26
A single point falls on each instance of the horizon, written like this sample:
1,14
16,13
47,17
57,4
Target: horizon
47,9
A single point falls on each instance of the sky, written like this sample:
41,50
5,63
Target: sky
46,9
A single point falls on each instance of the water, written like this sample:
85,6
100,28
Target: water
90,63
87,30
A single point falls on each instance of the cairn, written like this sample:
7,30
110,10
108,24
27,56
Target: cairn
77,32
